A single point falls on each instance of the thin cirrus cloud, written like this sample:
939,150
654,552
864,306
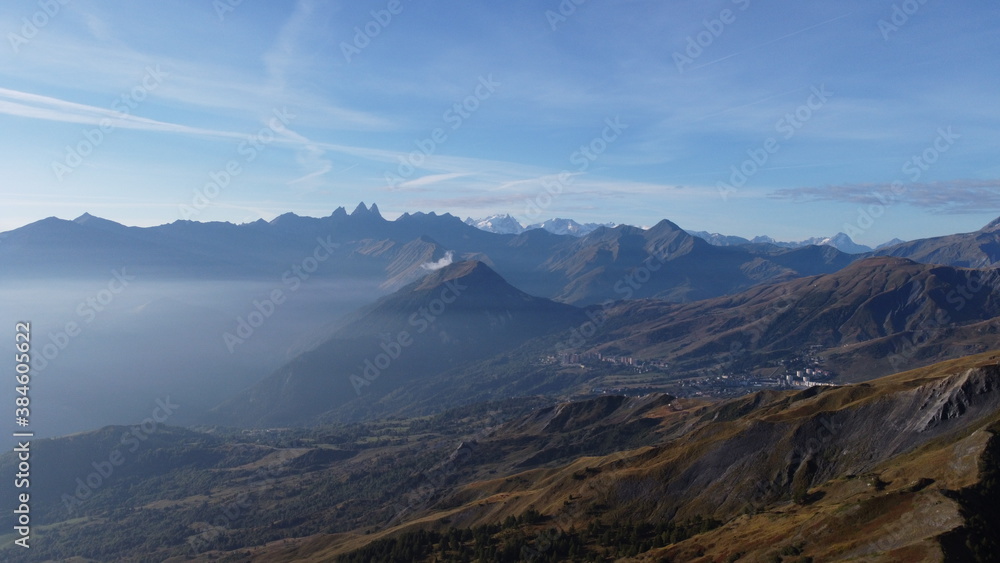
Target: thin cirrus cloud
432,179
956,197
34,106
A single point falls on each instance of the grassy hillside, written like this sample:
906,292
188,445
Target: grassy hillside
899,468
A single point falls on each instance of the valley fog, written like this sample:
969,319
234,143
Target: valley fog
104,350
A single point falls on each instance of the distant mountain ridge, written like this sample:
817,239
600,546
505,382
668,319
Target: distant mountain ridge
574,268
978,249
840,241
505,224
389,254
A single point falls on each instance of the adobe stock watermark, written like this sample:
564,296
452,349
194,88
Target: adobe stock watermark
787,126
364,34
95,137
87,310
957,298
436,479
393,348
583,157
626,287
454,117
753,333
913,168
249,149
32,25
696,44
239,507
105,468
562,13
223,7
291,280
900,16
563,521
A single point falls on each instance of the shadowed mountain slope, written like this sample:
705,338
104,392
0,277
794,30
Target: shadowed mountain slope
978,249
891,312
454,315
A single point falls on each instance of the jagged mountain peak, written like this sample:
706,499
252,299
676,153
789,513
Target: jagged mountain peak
364,212
501,224
845,243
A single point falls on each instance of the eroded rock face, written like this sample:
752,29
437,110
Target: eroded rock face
781,446
972,392
859,471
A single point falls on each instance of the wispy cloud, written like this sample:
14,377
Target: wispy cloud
34,106
952,197
431,179
782,38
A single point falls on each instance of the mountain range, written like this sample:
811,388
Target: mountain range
559,266
505,224
390,254
840,241
662,295
423,390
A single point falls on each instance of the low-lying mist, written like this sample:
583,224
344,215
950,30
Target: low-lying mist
104,351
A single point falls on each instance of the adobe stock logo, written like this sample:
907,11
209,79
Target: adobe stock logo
363,35
914,168
583,157
94,138
422,319
455,116
900,16
696,44
292,279
249,149
788,126
566,9
105,468
31,26
86,310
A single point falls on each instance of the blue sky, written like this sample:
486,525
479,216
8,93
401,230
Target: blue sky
475,108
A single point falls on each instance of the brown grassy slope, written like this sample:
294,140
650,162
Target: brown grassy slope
867,465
